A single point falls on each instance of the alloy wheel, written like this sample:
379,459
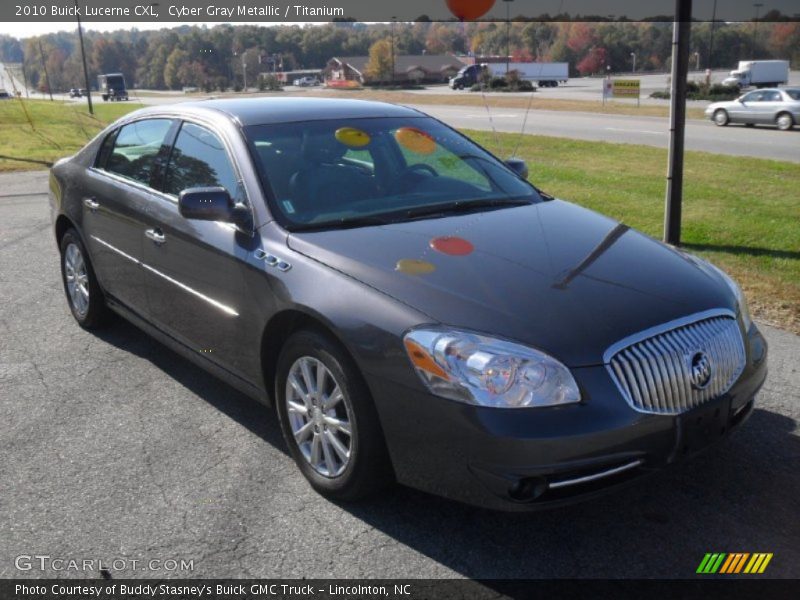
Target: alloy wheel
785,122
319,416
77,279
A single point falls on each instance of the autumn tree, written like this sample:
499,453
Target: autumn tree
379,67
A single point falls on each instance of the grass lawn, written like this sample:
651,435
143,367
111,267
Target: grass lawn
59,129
741,213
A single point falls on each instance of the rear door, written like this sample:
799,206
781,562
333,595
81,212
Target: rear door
196,270
116,196
770,105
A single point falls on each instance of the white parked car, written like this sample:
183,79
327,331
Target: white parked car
771,106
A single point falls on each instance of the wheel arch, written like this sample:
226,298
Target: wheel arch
280,327
62,225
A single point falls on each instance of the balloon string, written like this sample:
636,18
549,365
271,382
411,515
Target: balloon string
491,121
524,123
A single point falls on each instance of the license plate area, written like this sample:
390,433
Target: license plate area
703,426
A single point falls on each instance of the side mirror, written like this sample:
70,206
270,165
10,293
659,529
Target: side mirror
518,166
206,204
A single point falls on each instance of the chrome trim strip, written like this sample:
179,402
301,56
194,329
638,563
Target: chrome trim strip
554,485
663,328
223,307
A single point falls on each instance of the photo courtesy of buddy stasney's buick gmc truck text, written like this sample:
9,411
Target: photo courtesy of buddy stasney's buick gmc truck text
411,306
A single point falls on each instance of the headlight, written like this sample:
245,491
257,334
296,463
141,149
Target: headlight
741,301
484,371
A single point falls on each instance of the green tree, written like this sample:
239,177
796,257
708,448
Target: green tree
172,69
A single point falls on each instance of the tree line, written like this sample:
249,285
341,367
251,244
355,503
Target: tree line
218,57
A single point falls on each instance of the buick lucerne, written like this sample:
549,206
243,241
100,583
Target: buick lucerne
412,307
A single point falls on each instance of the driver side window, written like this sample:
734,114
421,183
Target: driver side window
753,97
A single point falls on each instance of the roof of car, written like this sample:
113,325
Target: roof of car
261,111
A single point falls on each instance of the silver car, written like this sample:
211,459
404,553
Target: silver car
771,106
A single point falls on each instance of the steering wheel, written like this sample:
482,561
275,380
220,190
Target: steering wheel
401,183
419,167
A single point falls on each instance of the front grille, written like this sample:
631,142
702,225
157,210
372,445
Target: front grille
659,373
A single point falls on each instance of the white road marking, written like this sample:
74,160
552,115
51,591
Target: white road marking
636,130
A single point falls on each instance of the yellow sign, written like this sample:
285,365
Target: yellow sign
625,88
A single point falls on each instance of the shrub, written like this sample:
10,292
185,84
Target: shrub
269,83
498,82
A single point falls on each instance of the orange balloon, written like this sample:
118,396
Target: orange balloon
469,10
415,140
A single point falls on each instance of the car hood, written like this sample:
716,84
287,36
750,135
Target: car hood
551,275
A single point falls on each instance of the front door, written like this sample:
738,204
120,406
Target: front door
196,274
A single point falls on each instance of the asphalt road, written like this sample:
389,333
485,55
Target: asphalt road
112,447
737,140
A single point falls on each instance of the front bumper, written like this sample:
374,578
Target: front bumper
523,459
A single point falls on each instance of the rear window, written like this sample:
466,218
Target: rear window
793,94
136,147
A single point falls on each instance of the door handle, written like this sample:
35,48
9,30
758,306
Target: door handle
155,235
91,204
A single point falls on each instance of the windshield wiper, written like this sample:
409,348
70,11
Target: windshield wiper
365,221
461,206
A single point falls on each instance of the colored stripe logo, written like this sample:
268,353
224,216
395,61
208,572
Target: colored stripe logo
734,563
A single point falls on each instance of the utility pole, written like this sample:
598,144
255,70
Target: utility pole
758,6
508,34
44,67
244,70
711,42
681,28
392,47
83,57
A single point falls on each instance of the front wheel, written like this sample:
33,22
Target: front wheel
784,121
84,296
328,419
721,118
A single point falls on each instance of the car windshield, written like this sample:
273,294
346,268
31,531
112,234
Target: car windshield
358,172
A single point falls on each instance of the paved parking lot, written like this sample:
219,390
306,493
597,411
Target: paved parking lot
111,446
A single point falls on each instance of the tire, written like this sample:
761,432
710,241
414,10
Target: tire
84,296
784,121
366,469
721,118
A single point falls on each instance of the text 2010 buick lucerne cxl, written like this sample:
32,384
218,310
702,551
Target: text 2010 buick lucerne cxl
414,309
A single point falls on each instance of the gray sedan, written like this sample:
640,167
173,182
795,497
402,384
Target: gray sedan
780,107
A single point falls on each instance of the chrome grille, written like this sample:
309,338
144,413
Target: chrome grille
654,370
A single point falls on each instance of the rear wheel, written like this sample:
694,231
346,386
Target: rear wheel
784,121
84,296
329,420
721,118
